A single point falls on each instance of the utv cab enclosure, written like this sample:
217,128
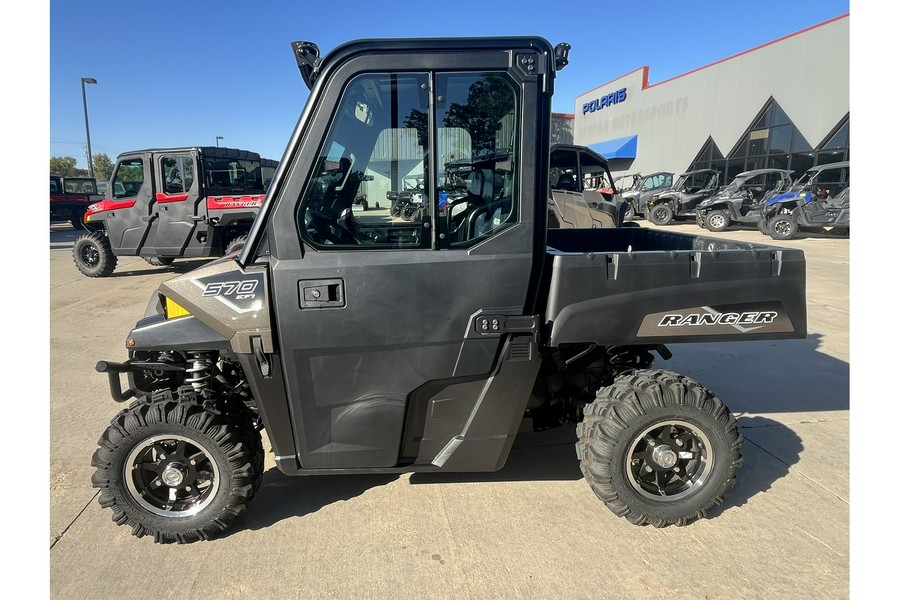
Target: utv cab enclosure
164,204
582,193
70,198
302,334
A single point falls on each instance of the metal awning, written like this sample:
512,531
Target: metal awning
625,147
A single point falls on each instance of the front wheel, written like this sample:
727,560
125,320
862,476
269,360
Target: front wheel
235,244
658,448
701,222
93,255
661,214
783,227
179,471
717,220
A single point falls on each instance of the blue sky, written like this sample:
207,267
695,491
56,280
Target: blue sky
182,73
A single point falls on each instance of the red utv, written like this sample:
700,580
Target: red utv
164,204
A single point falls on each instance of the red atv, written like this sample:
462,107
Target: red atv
173,203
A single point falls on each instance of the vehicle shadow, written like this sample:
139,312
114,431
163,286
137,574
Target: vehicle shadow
764,462
281,497
179,267
781,376
545,456
750,377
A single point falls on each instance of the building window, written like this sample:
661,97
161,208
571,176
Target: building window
774,142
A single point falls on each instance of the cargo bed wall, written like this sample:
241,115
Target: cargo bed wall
644,286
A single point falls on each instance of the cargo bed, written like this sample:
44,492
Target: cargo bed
637,285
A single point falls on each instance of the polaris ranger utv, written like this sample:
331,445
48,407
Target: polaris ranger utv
171,203
582,193
300,333
70,198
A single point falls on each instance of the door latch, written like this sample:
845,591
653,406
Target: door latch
321,293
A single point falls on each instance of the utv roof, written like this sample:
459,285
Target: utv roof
835,165
695,171
761,171
214,151
311,63
582,149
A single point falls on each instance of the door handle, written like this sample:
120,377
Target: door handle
321,293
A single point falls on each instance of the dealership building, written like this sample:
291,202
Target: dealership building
785,104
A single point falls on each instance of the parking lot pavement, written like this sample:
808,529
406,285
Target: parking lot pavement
532,530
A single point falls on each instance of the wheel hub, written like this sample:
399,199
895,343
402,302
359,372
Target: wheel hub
173,475
665,457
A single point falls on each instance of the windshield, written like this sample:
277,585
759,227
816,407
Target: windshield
225,176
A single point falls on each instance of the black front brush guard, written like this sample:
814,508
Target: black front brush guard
113,369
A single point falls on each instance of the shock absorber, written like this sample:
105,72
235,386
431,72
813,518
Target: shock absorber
199,371
623,358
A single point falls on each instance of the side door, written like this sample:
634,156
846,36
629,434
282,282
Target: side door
372,310
176,199
130,222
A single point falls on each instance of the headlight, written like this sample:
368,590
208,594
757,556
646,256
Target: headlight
173,310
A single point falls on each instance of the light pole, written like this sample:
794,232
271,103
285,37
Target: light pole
87,128
218,137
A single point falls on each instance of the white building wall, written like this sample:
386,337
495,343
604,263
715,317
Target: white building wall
807,73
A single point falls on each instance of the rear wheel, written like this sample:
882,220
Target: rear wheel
658,448
661,214
176,469
93,255
783,227
717,220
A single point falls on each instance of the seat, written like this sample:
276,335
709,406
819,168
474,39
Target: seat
566,182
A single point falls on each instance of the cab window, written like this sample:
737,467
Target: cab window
378,184
129,178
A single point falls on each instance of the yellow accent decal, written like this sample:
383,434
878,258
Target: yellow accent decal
175,310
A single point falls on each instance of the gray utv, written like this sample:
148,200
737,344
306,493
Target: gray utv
304,334
688,191
741,201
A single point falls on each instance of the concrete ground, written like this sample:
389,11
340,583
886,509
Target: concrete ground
532,530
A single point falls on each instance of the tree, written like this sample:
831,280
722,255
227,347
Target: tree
103,167
489,101
64,166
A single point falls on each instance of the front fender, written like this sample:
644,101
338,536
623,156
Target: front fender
155,332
